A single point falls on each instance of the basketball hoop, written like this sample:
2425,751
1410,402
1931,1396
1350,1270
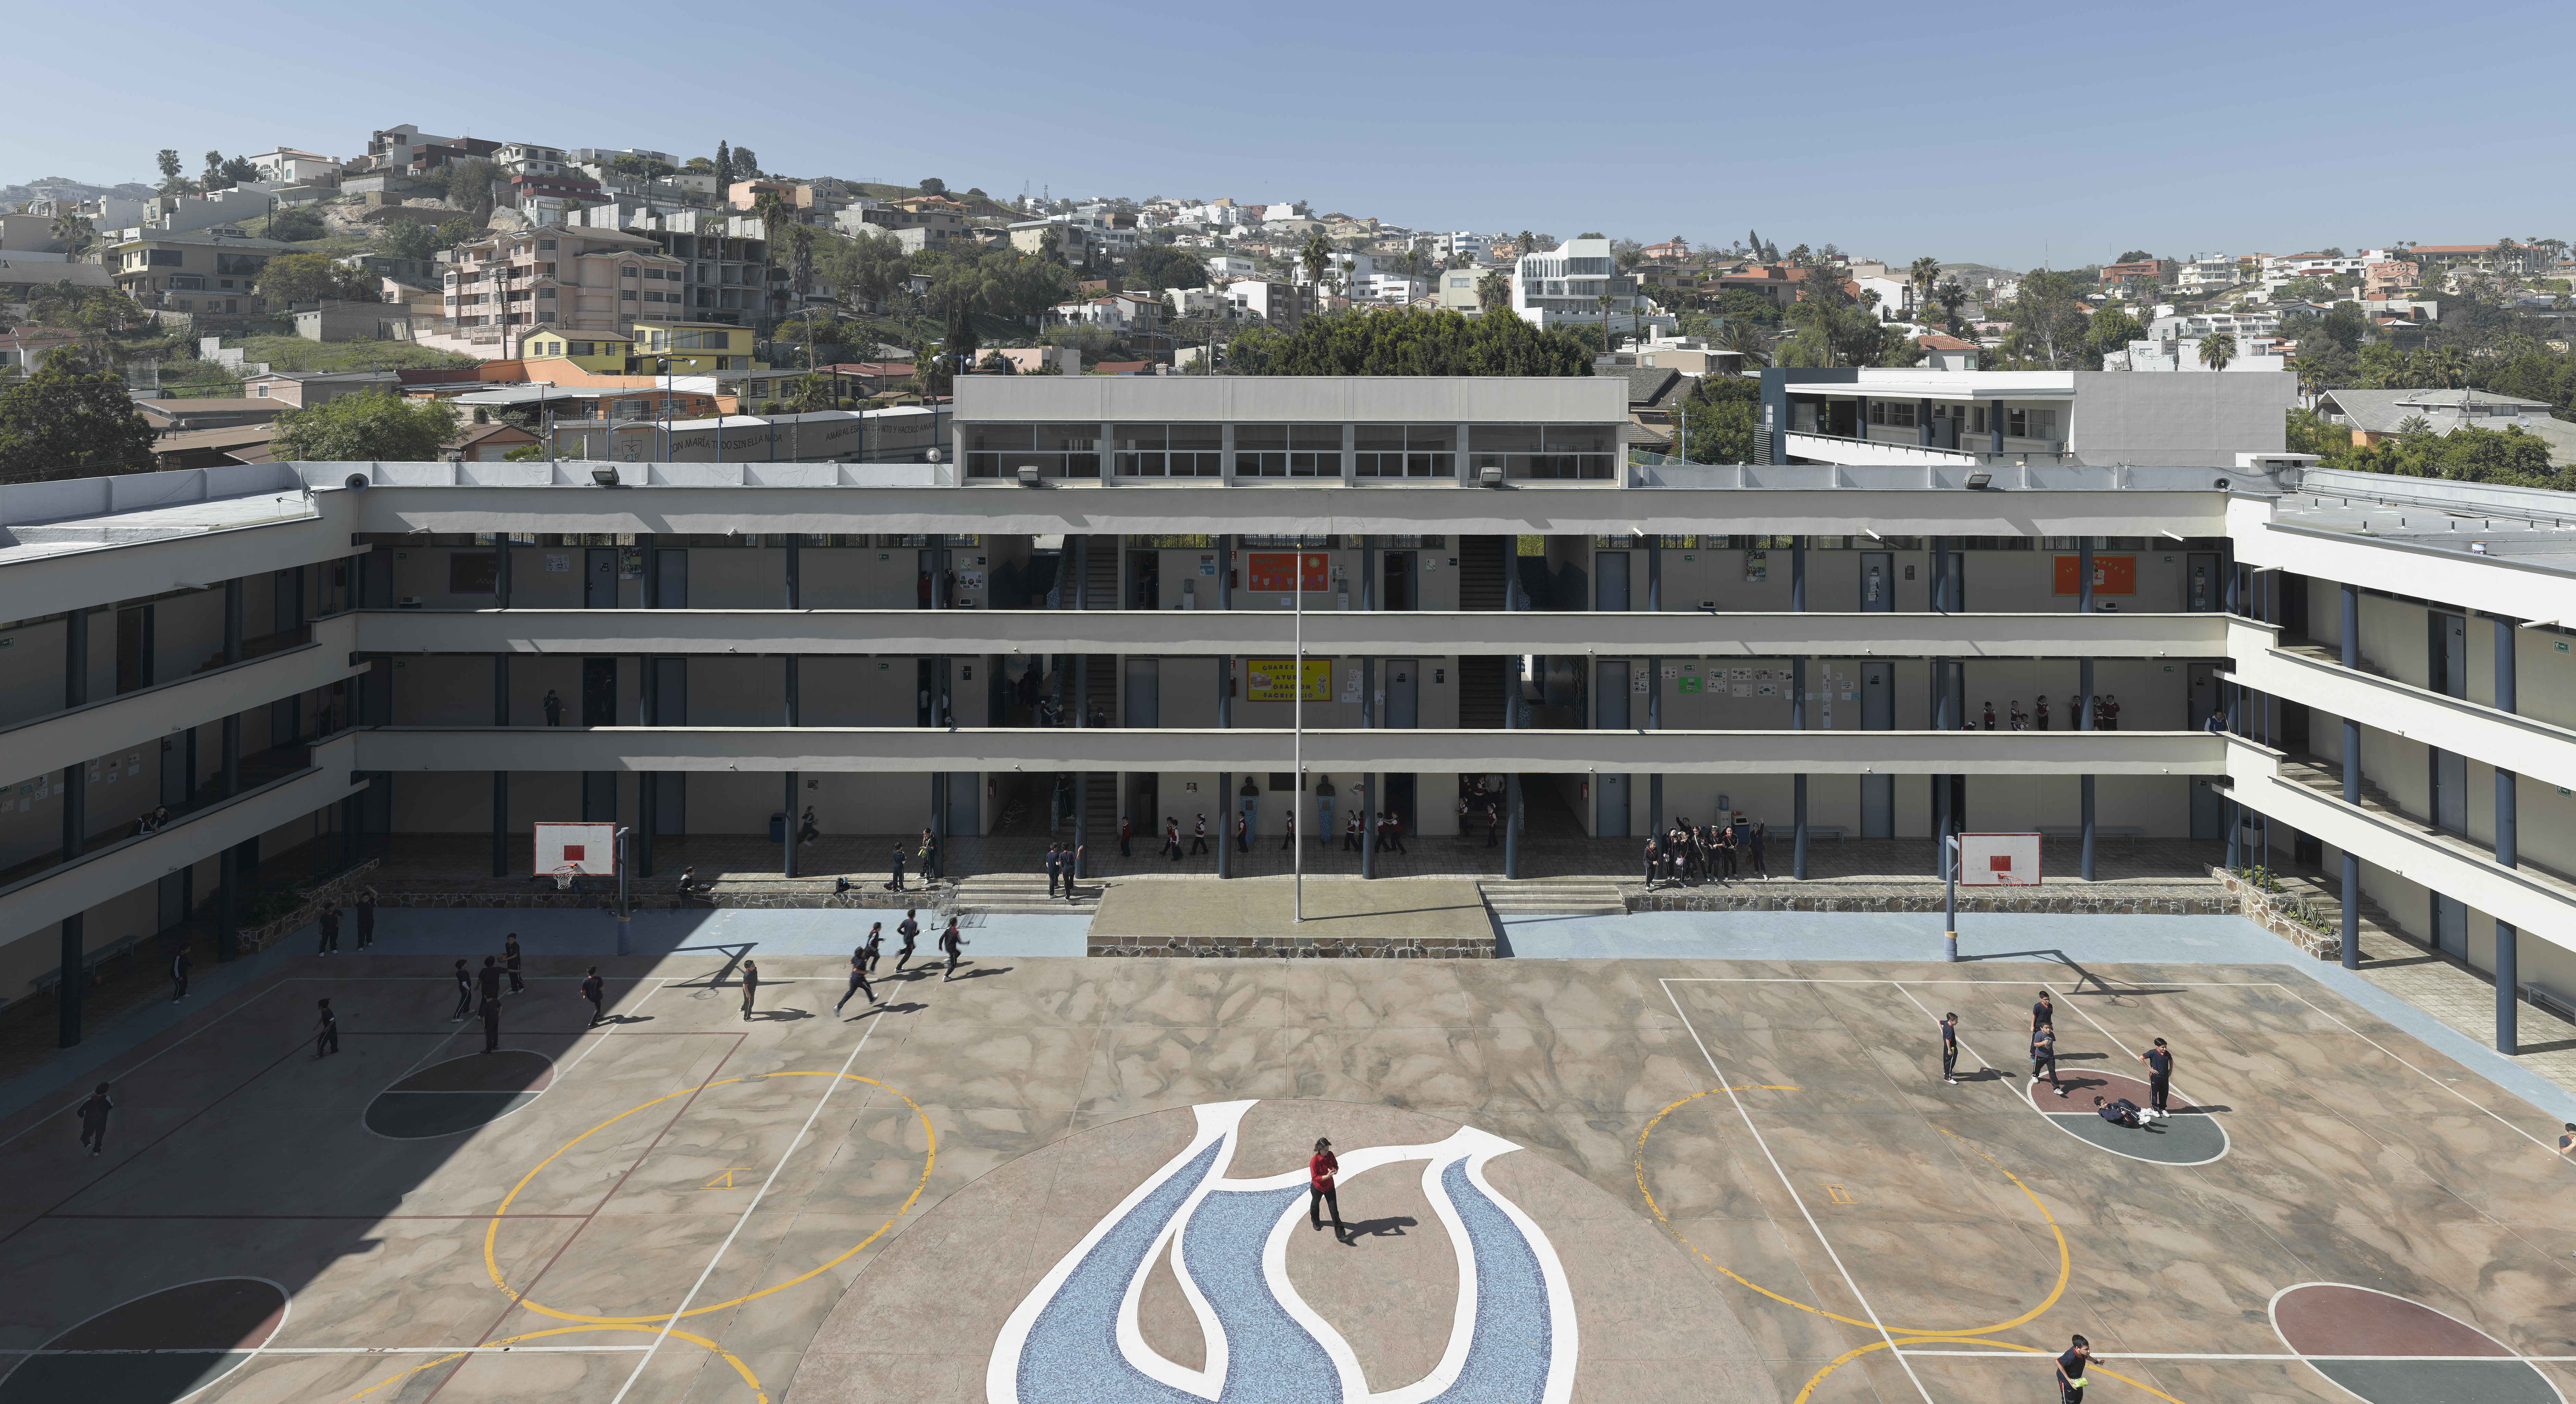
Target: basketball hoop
565,875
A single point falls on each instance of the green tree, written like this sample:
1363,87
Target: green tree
312,277
724,169
800,259
297,223
372,425
1494,290
2217,349
1407,341
67,422
2134,256
934,186
410,238
1316,255
171,181
1718,418
1161,267
72,234
1952,297
1923,273
2112,331
809,393
867,267
468,186
2048,316
455,231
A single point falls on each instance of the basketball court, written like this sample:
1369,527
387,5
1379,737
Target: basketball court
1065,1179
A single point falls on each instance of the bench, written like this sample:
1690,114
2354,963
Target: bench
2131,832
2543,998
91,960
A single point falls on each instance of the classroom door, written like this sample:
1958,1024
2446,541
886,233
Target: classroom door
2206,696
600,578
1403,693
1877,581
1610,695
671,583
1144,687
2208,808
1877,713
1399,586
1613,819
2450,677
1610,576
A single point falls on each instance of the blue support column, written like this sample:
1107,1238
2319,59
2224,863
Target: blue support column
1228,808
1655,684
1798,712
2508,852
2084,722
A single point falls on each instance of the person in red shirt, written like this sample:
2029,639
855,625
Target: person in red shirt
1319,1189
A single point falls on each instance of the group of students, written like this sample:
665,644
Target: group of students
479,991
2120,1111
2106,715
863,961
328,923
1690,853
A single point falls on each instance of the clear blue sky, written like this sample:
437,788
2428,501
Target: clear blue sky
2003,133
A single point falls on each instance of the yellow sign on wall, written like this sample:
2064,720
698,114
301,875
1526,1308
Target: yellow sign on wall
1267,680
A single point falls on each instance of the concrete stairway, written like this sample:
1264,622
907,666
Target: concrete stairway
1553,896
1025,893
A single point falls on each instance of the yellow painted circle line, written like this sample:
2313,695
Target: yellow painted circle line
2065,1261
1915,1340
739,1368
491,1231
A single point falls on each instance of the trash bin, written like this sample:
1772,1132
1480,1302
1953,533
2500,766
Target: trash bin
778,827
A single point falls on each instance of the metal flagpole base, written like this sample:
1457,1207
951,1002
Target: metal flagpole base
1954,946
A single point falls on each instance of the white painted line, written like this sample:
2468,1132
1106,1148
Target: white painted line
1794,1197
2419,1072
694,1288
352,1350
252,999
603,1038
2020,1356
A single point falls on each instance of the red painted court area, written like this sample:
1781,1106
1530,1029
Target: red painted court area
2328,1318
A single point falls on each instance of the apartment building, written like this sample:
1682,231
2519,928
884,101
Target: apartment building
2019,420
1490,596
558,278
210,271
724,258
288,166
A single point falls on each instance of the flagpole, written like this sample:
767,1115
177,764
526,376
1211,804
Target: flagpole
1297,751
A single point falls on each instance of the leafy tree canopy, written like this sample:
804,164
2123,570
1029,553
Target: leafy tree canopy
2134,256
296,223
1161,266
375,425
66,421
313,277
1391,341
1718,419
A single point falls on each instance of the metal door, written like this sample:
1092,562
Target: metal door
1877,581
133,648
2450,925
2205,694
960,814
2450,670
599,796
599,692
2203,591
671,803
1403,693
1399,584
670,692
2208,808
925,587
1610,695
671,588
1144,683
600,569
2451,792
1877,713
1613,797
1610,573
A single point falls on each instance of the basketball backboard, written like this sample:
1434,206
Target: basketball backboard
587,849
1999,860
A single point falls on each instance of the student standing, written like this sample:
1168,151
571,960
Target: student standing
2043,1055
330,924
859,973
1172,837
2043,1014
908,929
2070,1371
553,706
1126,830
510,959
1320,1193
595,990
750,986
1950,1049
2039,714
1242,833
326,1029
180,965
464,994
1198,837
1654,856
366,908
492,1022
1288,836
488,979
951,942
1753,849
1055,864
2159,1061
895,884
93,1119
1394,832
1351,832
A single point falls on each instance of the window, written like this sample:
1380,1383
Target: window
626,295
1055,450
546,244
2017,423
578,348
1900,414
1405,451
1551,451
259,392
188,282
628,271
163,258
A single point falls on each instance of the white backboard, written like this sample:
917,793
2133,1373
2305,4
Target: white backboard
587,849
1999,860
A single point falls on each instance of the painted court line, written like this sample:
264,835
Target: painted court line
2023,1357
722,1248
363,1350
1794,1197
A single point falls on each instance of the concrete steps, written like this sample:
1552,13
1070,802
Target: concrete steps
1566,896
1025,893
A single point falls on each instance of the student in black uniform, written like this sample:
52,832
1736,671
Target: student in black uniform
951,942
510,958
1198,838
2043,1055
870,949
180,965
488,979
492,1021
2070,1371
1950,1049
750,986
859,972
2159,1061
909,930
93,1119
2043,1014
330,924
366,909
595,990
2566,1143
326,1029
464,994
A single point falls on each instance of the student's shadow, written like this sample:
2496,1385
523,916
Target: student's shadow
628,1019
1379,1228
884,1009
776,1015
964,974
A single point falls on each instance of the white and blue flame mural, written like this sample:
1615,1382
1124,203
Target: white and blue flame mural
1075,1340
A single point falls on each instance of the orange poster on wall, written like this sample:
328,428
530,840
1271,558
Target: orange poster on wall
1276,571
2112,575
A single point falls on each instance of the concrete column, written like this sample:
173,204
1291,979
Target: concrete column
1512,831
787,860
500,689
2348,627
1368,780
233,620
652,591
1655,682
2084,722
500,823
787,717
794,582
500,571
1798,710
2508,850
67,990
1995,426
2084,578
1923,422
1225,823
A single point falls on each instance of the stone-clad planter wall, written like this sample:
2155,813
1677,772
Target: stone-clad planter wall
2271,911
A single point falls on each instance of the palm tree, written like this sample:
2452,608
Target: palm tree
2447,366
1741,338
74,233
1316,254
1923,273
2217,349
1494,290
1605,300
2414,426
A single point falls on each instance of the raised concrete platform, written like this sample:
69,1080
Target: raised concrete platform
1344,917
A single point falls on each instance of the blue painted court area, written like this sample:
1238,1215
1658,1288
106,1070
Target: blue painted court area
2075,941
468,931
